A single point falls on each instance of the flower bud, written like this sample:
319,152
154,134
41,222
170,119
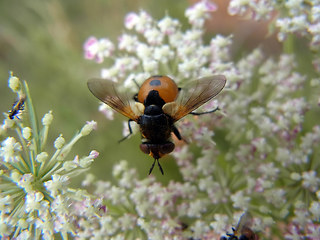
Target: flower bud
15,175
59,142
27,133
47,119
8,123
86,130
85,162
295,176
69,165
93,154
42,157
14,83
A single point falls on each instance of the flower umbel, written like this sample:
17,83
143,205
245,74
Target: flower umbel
259,153
32,180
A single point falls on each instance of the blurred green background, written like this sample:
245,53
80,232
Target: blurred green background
41,42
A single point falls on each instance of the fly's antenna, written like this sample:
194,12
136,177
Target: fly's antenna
152,166
161,170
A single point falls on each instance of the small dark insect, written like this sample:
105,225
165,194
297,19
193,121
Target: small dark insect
17,107
157,106
242,231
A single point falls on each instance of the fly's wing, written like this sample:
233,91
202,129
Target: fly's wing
194,95
106,91
244,223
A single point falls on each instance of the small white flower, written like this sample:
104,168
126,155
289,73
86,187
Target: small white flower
153,36
64,224
310,180
199,229
150,66
176,39
144,52
220,222
128,42
127,222
275,196
117,195
57,185
315,210
131,20
126,64
187,68
98,49
168,25
199,12
140,22
163,54
269,170
46,227
33,201
59,205
143,208
10,150
261,145
240,200
193,36
197,207
26,182
138,194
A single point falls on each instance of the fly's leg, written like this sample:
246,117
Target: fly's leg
130,131
201,113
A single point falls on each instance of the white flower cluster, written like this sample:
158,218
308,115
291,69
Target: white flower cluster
154,47
290,17
303,19
35,197
260,154
263,9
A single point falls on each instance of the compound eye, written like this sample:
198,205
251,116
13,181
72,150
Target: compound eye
145,148
167,148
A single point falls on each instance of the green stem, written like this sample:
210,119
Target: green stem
53,169
34,125
288,45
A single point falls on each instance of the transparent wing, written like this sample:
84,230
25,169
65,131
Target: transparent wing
244,222
194,95
107,92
